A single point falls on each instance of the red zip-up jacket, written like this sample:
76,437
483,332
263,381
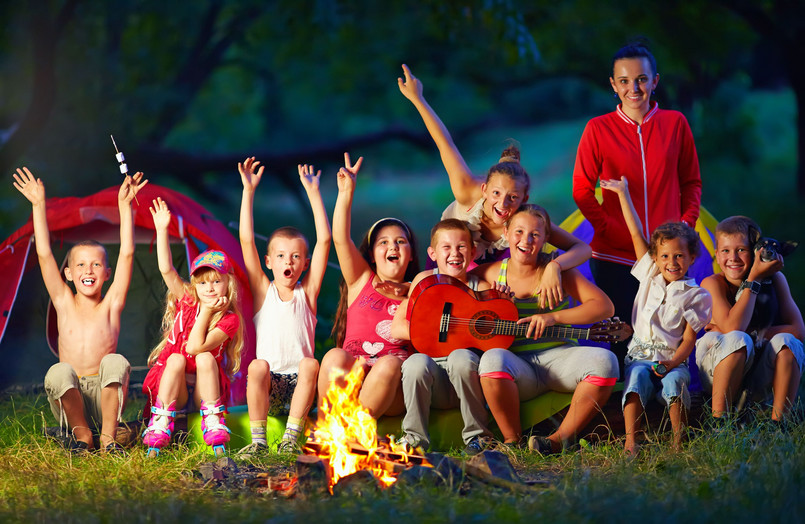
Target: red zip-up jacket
658,158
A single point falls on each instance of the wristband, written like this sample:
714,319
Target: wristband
753,286
558,264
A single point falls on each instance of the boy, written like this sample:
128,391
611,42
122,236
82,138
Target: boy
89,383
757,328
283,376
669,310
444,382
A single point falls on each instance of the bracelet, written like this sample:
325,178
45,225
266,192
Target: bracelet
558,264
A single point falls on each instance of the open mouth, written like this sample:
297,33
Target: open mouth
87,281
287,273
393,258
501,213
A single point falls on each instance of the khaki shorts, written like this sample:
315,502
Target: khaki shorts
61,377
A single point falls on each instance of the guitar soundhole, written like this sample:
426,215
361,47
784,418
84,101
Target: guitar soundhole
482,324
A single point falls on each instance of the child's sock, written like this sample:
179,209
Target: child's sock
258,429
293,428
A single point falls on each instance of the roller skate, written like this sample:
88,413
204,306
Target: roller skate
213,427
158,433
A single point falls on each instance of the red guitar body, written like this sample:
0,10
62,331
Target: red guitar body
438,296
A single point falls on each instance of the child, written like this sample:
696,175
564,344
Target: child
89,383
669,310
757,329
285,370
374,284
451,381
487,206
201,343
534,367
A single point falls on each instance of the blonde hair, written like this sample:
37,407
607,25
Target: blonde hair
235,346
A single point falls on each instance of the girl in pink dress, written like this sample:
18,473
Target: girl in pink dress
201,344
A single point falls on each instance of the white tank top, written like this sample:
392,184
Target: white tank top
285,330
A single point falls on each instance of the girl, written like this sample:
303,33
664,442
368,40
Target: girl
487,206
371,291
532,368
201,344
669,310
654,148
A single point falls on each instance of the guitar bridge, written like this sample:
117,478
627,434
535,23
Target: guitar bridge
444,324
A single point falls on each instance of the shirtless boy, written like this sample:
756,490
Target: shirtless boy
89,383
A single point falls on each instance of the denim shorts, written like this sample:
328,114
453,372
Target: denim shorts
640,379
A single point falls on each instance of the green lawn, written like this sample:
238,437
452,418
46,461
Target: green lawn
735,475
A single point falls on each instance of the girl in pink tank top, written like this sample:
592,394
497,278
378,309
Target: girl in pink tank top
374,283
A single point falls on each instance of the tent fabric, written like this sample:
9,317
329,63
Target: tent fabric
96,216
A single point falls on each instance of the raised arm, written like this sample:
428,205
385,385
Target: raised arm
354,268
466,188
250,176
321,251
34,190
621,187
122,278
162,219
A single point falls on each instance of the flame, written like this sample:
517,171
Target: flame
343,422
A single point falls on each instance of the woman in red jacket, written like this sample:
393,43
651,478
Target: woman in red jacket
653,148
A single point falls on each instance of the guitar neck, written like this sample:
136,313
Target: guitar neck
508,327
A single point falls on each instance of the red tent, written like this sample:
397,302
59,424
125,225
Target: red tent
96,217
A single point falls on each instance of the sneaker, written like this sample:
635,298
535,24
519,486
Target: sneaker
404,442
521,443
477,445
541,445
288,446
253,449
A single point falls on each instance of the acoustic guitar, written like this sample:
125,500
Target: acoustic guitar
445,315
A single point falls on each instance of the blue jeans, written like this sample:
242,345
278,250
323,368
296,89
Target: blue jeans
640,379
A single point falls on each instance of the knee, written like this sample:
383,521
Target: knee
388,368
258,370
602,363
336,358
462,362
175,363
416,364
308,367
205,361
493,361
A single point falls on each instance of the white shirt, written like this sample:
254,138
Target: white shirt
284,330
663,309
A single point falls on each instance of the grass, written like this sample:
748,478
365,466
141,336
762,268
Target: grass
739,475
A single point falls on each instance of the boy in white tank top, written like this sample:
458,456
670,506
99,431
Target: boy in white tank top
282,378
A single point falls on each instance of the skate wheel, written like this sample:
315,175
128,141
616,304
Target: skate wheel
152,453
219,450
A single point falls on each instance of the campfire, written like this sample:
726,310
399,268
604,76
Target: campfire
345,438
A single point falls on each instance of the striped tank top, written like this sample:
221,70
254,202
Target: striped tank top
527,307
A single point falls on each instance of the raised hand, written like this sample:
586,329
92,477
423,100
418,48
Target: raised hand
503,289
621,187
762,269
130,187
410,87
348,173
307,176
161,214
248,176
31,187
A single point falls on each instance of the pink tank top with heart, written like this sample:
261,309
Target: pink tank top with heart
368,332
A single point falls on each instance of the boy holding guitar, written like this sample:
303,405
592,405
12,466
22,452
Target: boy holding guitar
450,379
534,366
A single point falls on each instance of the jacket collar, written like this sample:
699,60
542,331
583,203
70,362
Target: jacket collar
653,108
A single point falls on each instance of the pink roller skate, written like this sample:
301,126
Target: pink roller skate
158,433
213,427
